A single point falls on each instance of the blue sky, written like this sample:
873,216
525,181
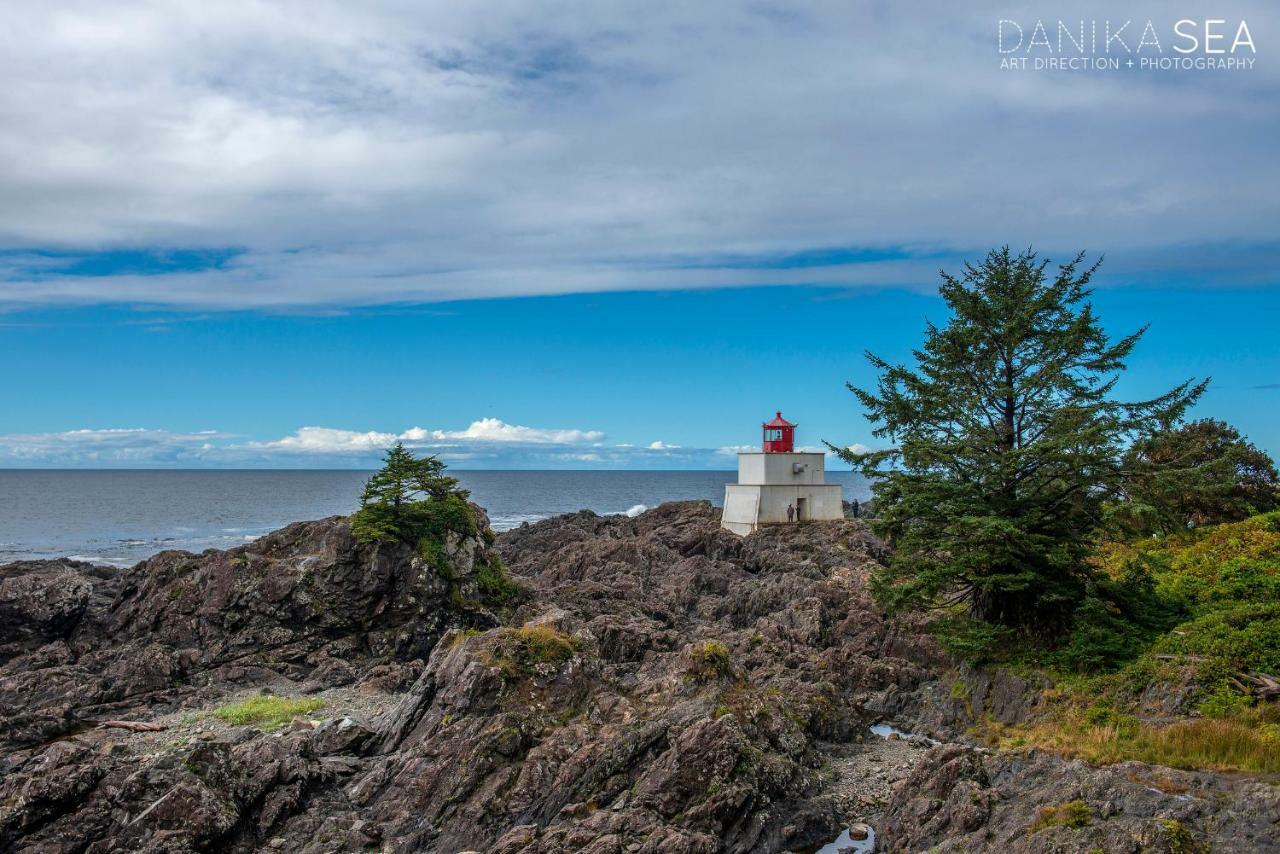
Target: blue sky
694,369
540,235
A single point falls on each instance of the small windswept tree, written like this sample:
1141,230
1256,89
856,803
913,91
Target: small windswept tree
1007,442
405,478
404,495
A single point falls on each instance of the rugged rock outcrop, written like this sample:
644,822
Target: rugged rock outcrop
305,603
961,800
661,686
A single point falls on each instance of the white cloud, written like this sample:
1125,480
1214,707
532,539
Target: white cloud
486,431
110,446
377,153
734,450
485,443
326,440
859,448
494,430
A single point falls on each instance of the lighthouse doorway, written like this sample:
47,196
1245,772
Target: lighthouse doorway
800,509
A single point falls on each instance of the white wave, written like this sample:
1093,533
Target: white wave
101,561
507,521
635,510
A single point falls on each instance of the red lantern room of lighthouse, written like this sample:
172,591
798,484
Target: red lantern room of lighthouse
779,435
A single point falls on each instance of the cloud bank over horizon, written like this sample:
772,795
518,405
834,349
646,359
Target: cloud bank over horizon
485,443
297,156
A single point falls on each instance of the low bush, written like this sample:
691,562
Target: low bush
496,585
971,640
710,660
1071,814
431,519
531,650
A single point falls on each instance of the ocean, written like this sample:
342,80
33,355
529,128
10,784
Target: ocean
120,517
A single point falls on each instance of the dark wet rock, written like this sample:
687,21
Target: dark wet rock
41,603
665,686
306,606
958,799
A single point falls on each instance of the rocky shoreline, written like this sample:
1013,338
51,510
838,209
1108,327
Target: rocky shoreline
653,684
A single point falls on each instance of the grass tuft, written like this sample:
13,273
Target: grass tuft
531,650
1235,744
267,712
1073,814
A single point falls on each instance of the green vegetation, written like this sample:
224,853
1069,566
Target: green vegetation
267,712
1178,838
1007,447
1243,743
1072,814
1047,526
1222,587
1220,590
495,584
411,500
531,650
1199,474
710,660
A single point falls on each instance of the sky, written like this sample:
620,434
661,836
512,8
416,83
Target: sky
554,235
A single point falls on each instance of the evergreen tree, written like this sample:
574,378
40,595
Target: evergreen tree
1202,473
405,478
408,497
1007,444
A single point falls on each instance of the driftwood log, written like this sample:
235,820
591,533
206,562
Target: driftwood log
134,726
1264,686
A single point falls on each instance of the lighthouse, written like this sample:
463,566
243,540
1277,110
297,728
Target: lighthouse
777,478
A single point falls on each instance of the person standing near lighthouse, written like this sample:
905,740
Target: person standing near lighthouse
791,512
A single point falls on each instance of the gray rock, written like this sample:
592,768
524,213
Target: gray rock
665,687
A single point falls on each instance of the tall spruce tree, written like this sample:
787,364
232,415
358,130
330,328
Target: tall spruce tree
1006,445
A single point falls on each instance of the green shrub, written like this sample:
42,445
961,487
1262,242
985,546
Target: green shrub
1238,637
710,660
972,640
495,584
1224,701
1180,616
529,650
410,499
431,519
1100,639
1178,838
1073,814
267,712
1204,603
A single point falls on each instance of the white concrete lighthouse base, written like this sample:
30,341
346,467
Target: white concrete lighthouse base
749,506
